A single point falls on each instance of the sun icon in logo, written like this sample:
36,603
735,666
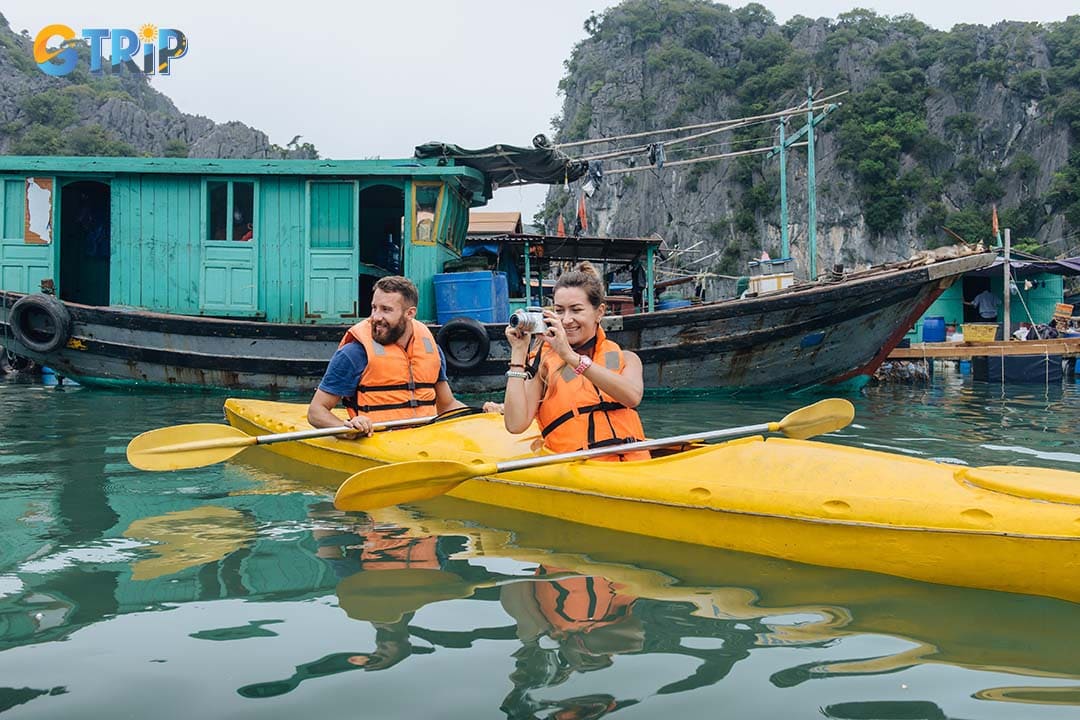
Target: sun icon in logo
148,33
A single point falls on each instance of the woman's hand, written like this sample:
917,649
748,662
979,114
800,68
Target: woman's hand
518,339
555,337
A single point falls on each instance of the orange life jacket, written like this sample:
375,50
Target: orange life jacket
397,383
580,604
574,414
394,549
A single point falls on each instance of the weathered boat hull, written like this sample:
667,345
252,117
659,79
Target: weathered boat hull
1012,529
824,333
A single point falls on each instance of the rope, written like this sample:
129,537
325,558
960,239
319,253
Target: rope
707,158
641,149
1024,303
818,104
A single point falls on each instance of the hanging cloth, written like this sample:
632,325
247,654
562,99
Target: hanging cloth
582,224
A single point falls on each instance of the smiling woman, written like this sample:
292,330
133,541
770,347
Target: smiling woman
583,391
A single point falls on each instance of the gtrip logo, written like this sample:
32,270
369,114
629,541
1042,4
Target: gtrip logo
149,51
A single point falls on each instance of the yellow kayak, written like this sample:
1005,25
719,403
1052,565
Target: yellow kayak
1005,528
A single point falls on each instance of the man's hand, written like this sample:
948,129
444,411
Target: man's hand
362,423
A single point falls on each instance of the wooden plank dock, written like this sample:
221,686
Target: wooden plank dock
1066,347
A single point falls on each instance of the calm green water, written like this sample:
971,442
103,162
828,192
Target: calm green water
238,591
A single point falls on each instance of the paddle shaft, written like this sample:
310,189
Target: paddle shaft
243,442
508,465
337,430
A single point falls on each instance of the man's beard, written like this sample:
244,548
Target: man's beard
388,334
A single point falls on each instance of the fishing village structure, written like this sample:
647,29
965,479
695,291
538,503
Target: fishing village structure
245,274
952,330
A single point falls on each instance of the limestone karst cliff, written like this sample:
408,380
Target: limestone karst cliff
937,127
121,114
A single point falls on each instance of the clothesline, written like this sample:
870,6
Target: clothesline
739,153
818,104
733,125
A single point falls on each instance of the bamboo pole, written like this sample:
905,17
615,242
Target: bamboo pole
1008,284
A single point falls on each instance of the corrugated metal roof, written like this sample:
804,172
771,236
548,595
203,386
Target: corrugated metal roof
494,223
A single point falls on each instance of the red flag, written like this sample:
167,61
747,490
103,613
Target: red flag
583,221
560,229
994,221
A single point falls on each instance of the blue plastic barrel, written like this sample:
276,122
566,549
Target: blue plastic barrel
933,329
502,297
672,304
467,294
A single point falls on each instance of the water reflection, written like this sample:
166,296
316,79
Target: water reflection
886,710
566,621
189,538
673,593
391,647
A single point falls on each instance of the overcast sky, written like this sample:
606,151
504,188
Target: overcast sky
373,79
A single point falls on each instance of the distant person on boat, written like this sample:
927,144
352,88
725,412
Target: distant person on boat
986,304
387,367
580,387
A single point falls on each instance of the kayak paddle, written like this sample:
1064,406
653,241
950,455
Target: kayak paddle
416,480
199,444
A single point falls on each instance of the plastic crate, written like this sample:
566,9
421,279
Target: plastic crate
770,283
980,332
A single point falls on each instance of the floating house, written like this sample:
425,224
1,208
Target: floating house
279,241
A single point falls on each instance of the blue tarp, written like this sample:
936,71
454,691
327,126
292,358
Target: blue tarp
1068,267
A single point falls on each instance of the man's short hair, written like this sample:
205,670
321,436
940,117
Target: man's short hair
403,286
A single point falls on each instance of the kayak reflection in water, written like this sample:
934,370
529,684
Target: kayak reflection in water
368,559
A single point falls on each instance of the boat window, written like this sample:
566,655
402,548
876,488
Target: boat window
426,198
230,210
457,222
243,211
217,197
450,216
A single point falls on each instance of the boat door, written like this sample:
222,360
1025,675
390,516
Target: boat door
27,209
331,255
85,241
382,213
228,270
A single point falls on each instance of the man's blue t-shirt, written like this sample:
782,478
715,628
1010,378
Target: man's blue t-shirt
348,364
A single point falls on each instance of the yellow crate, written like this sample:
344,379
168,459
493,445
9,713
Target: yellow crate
980,332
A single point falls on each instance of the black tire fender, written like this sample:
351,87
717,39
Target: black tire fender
464,342
40,323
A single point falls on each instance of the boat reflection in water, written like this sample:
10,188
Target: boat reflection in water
585,596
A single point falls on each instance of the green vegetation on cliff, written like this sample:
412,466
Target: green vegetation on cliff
937,126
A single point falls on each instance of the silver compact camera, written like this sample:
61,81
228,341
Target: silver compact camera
530,320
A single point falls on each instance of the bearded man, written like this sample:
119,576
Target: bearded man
387,367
